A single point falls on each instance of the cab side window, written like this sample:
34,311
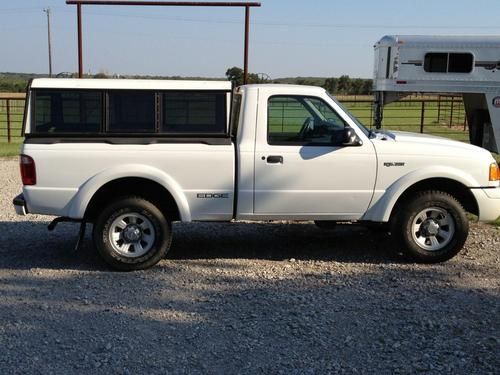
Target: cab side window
303,120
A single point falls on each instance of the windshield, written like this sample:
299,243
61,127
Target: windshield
351,116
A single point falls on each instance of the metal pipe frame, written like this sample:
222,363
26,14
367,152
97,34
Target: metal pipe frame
246,5
80,50
166,3
245,53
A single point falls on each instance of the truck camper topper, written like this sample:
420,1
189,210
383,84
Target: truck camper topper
131,84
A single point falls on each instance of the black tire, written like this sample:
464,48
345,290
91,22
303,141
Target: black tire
437,238
150,238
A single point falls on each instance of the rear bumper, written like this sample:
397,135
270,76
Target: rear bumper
488,201
20,205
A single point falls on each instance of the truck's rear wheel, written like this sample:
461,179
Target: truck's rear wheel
132,233
432,227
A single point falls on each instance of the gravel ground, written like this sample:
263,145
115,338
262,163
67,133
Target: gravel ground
244,298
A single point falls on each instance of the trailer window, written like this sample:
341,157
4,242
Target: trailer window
436,62
448,62
69,111
460,63
194,112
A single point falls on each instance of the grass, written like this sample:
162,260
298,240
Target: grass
406,116
16,119
9,149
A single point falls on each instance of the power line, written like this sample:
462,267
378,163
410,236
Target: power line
266,23
290,24
19,10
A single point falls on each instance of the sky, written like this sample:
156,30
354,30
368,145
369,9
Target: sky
288,38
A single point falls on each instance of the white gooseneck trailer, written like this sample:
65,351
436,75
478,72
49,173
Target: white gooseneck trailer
467,65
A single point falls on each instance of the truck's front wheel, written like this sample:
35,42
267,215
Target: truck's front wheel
432,227
132,233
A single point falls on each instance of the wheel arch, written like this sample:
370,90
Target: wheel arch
138,180
446,185
456,185
133,186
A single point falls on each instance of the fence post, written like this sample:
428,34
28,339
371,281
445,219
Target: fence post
451,111
422,117
462,107
371,115
8,119
439,109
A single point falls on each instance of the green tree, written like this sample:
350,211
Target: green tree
235,75
344,84
367,86
356,86
330,85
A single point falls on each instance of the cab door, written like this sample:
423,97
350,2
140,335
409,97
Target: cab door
302,170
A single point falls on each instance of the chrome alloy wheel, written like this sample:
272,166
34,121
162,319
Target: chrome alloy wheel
132,235
433,228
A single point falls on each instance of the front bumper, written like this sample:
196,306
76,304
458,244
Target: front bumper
488,201
20,205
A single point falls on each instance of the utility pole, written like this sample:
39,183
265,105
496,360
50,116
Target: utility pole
47,10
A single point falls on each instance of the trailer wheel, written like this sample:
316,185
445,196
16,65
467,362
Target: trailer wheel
431,228
131,234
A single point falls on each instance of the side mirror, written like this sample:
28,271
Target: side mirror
351,138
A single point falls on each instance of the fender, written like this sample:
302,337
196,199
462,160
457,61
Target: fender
80,201
380,209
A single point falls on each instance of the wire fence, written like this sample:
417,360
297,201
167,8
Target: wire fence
442,115
439,115
11,118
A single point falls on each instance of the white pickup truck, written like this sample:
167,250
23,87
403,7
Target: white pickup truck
133,156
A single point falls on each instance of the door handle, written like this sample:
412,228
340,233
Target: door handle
274,159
